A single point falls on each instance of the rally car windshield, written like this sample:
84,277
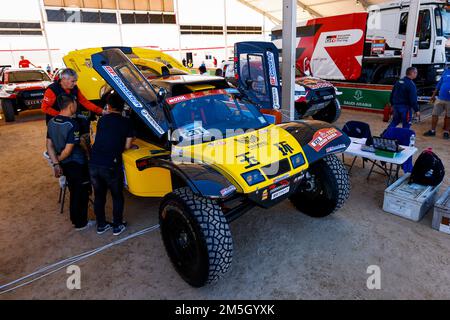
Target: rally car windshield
207,115
27,76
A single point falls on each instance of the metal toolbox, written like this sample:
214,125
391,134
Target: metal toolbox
441,215
410,201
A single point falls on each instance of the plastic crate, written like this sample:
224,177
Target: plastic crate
441,214
410,201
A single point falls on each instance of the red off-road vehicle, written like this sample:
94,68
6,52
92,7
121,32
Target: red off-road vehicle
21,89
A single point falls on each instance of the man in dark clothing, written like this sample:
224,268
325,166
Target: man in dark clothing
68,158
404,98
114,135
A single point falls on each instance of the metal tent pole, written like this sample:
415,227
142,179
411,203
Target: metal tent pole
44,31
288,54
414,7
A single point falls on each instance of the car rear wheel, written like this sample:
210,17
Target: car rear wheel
196,235
325,189
8,110
330,113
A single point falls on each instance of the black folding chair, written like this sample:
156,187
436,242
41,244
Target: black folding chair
357,129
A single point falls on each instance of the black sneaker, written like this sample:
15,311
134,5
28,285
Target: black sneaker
430,133
103,229
119,229
446,135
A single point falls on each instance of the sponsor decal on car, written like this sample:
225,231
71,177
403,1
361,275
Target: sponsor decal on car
322,137
189,96
275,98
272,69
265,195
122,86
280,193
226,191
339,147
152,121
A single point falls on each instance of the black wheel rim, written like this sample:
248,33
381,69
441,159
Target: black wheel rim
183,245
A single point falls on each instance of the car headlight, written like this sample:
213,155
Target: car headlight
253,177
297,160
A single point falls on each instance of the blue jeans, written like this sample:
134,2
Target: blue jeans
402,114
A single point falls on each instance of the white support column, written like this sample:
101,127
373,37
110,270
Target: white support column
289,46
225,33
177,18
44,31
414,7
119,22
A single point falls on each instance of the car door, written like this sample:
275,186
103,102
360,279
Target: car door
258,73
125,78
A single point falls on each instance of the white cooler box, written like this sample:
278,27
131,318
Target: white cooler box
441,215
410,201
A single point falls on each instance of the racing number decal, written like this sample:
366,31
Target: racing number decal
284,148
250,160
322,137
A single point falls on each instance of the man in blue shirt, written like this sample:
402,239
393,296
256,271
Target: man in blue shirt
404,98
441,105
114,135
68,158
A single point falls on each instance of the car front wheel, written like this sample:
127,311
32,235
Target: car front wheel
196,235
325,188
8,110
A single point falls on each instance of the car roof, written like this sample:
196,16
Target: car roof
186,79
23,69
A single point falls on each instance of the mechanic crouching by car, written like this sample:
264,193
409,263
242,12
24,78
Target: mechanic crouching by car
67,84
114,134
69,159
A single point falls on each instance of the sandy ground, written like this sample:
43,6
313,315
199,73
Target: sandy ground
279,253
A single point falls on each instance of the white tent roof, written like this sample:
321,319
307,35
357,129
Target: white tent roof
307,9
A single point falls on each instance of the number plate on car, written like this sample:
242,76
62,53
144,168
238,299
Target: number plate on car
279,193
32,102
328,97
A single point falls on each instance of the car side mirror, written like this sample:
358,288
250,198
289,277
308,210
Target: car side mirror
162,93
248,83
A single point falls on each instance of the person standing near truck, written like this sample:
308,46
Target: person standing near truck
441,105
25,63
404,99
114,135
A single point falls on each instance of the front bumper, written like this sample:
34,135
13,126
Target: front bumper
271,195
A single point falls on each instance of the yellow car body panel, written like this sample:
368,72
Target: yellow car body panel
223,155
89,81
151,182
261,147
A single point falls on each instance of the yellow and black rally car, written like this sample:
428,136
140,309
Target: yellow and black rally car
151,63
212,155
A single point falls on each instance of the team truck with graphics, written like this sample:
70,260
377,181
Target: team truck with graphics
367,47
212,155
21,89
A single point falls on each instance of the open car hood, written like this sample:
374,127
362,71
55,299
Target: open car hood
124,77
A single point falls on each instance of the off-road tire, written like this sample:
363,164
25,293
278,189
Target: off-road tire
330,113
8,110
332,188
209,233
